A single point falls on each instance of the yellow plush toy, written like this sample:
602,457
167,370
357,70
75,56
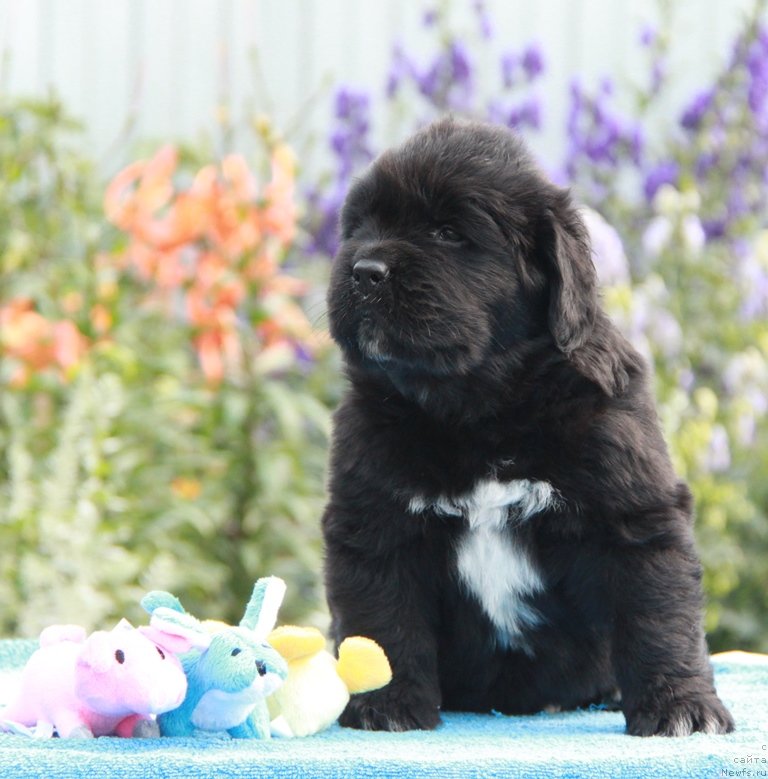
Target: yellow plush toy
318,685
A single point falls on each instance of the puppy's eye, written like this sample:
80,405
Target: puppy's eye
446,234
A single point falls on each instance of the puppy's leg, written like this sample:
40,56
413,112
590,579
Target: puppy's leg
384,595
660,653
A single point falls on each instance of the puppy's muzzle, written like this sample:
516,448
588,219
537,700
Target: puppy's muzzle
369,276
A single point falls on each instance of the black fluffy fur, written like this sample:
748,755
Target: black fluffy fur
484,353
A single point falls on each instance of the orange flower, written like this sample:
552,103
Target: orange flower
25,334
217,350
37,343
279,217
238,177
155,187
186,488
209,353
140,200
263,266
219,240
69,344
120,204
101,318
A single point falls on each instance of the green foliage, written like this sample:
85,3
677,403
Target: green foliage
123,469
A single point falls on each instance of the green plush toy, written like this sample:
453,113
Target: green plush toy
230,672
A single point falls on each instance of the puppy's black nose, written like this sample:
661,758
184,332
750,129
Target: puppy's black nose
369,274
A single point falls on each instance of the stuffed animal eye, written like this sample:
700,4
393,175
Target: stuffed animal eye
236,652
160,652
447,234
120,656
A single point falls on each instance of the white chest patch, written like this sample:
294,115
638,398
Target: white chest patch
496,570
494,502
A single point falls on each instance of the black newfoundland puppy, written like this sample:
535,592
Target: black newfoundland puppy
503,516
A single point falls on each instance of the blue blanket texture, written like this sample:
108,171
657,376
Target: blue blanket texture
589,743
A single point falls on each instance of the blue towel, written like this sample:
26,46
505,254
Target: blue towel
588,743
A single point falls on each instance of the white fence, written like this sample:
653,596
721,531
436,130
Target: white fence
169,66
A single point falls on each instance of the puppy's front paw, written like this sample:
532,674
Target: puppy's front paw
387,710
669,716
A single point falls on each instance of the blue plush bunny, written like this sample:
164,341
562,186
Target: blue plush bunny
230,670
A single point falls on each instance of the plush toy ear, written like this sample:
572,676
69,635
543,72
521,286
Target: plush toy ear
98,652
293,642
261,613
159,598
176,632
55,634
572,278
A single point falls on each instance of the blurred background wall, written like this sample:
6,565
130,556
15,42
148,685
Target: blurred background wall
167,68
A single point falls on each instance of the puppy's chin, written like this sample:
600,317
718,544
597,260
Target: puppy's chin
375,347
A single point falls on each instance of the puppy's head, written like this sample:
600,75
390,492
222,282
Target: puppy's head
457,253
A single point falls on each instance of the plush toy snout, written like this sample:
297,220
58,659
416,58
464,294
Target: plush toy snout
235,661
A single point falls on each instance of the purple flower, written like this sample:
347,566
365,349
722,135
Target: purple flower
509,64
527,113
607,87
399,70
694,113
575,109
665,172
737,203
461,68
430,17
607,249
324,209
754,283
349,143
429,81
657,235
636,139
533,62
486,28
447,83
718,457
705,163
350,104
600,148
665,332
598,135
714,228
648,35
349,140
658,75
687,379
757,67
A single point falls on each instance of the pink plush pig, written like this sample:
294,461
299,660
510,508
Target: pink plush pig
110,683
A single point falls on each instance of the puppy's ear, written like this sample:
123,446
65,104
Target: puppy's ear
572,279
598,353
